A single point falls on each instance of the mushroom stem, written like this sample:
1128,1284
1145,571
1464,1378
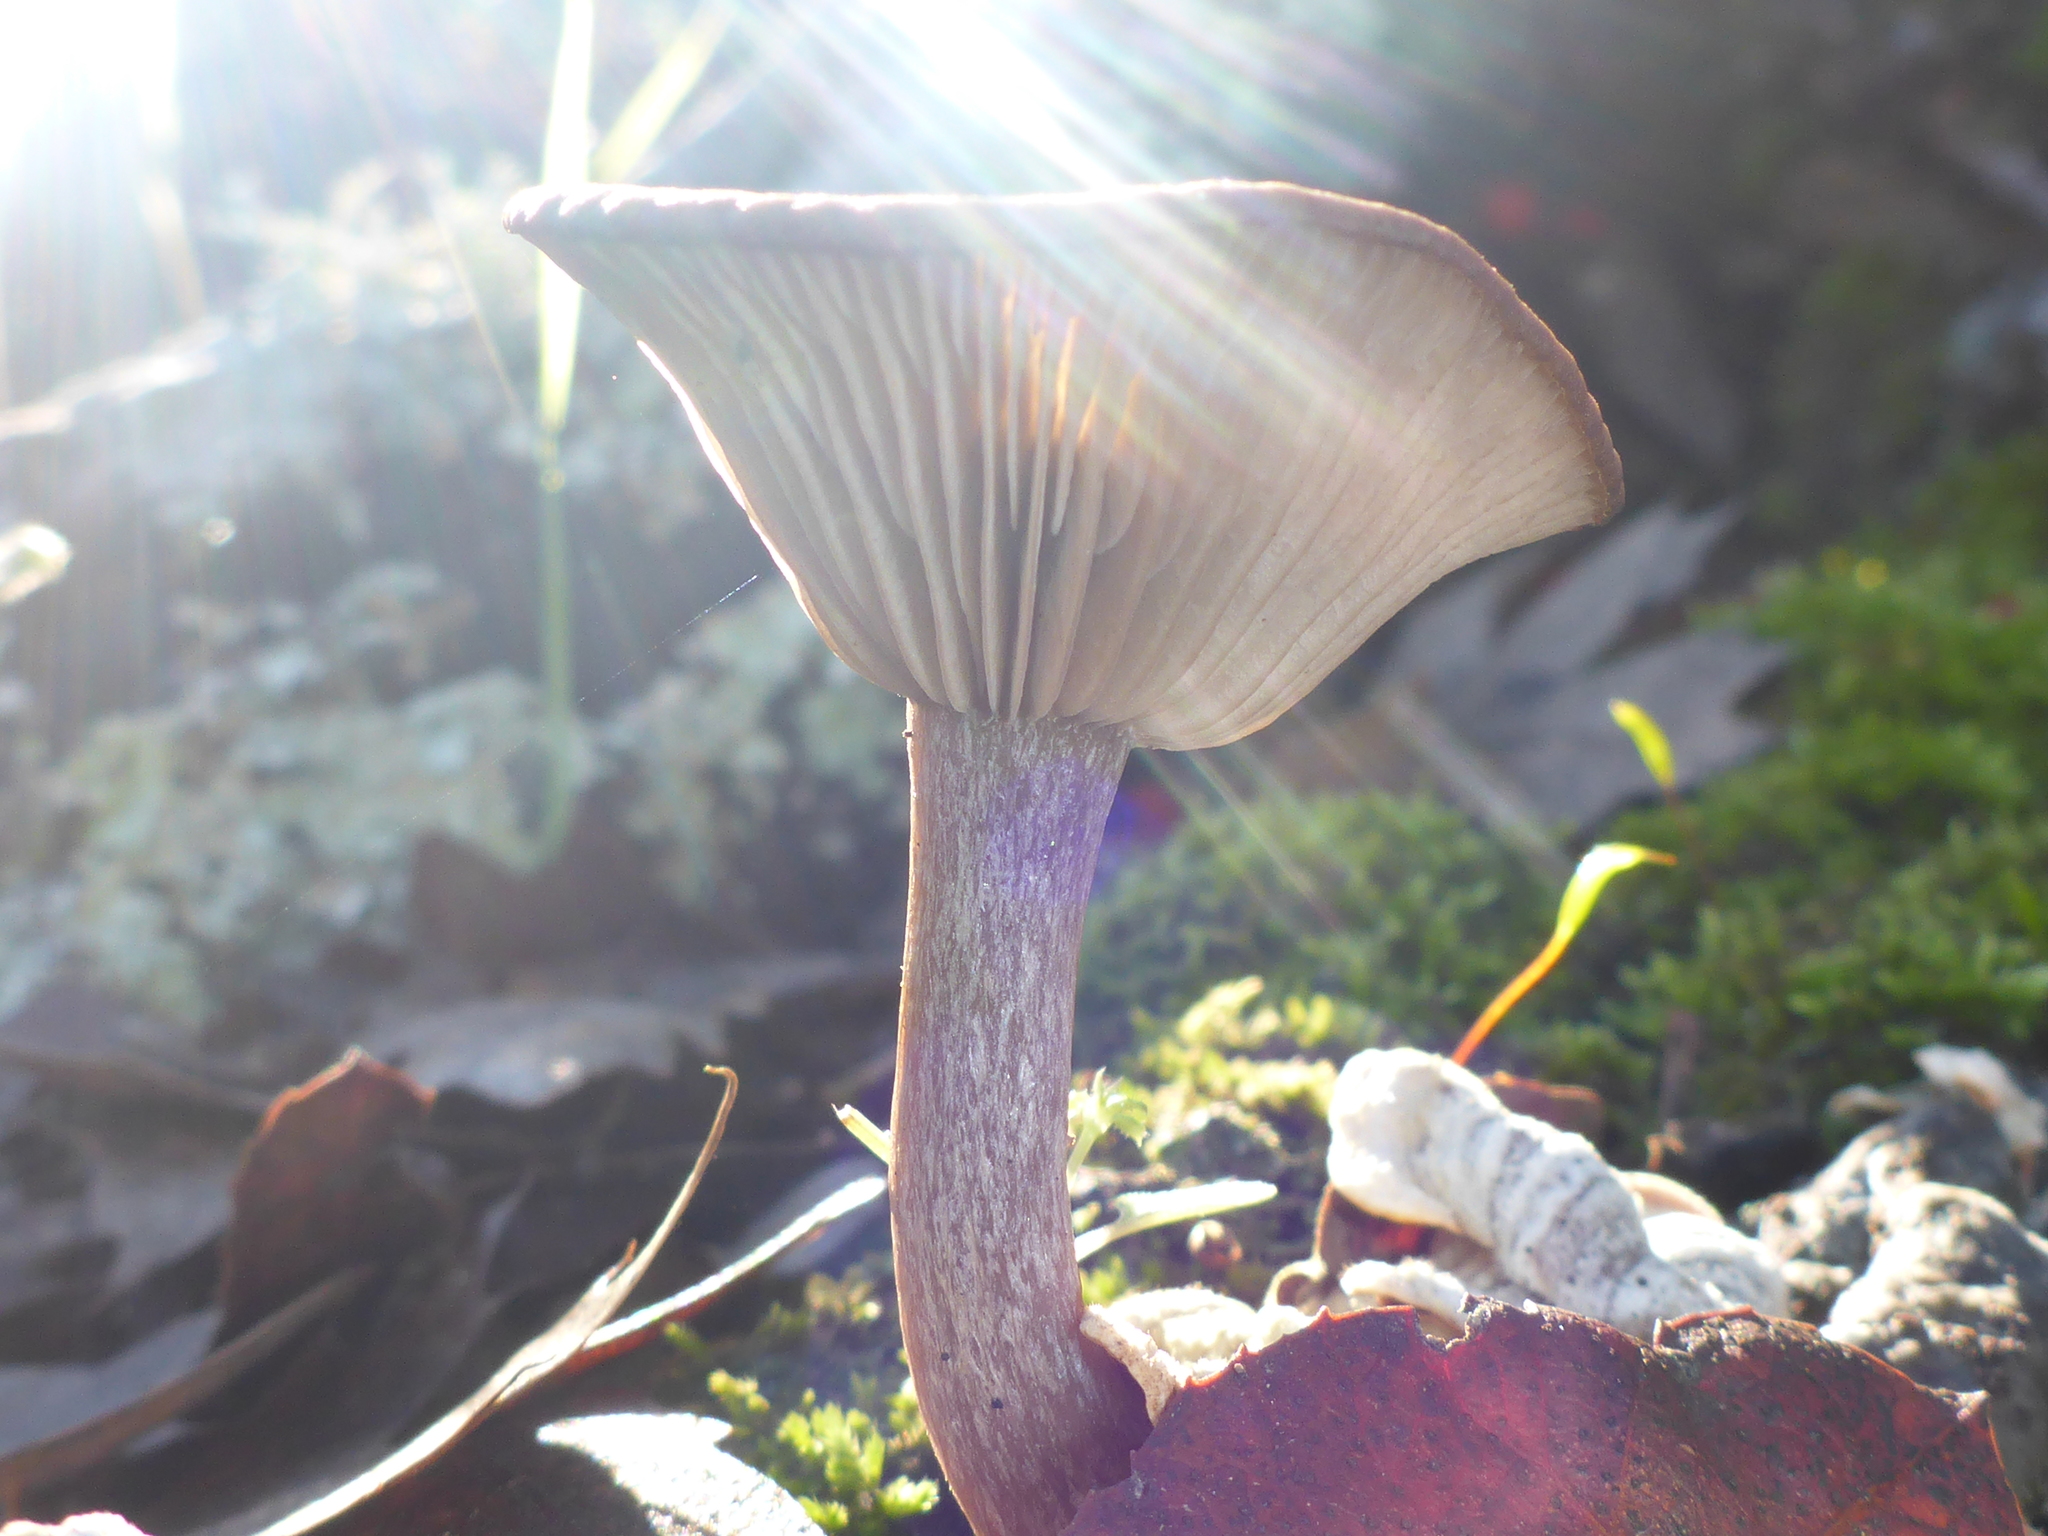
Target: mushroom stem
1006,820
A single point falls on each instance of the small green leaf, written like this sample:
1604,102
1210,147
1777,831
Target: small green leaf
1652,745
1106,1104
903,1497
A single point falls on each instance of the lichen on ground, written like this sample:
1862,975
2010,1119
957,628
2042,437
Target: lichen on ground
755,727
271,810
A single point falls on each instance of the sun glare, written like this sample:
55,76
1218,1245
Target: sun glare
112,51
966,54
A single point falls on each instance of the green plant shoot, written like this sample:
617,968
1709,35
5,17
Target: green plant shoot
865,1131
1652,745
1602,862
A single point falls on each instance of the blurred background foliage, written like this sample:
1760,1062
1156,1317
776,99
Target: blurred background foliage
262,336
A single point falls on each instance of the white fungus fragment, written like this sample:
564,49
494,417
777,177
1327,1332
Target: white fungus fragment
1156,1372
1413,1283
2022,1118
1415,1138
1724,1260
1657,1195
1169,1338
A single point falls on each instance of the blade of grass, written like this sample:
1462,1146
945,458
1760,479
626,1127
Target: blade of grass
661,95
865,1131
1144,1210
537,1361
565,157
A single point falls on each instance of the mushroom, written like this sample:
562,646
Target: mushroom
1072,473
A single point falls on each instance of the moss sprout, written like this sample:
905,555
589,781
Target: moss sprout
835,1459
804,1394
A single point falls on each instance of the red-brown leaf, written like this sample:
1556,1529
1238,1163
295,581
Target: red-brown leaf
316,1191
1544,1422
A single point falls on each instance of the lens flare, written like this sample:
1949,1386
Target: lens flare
119,53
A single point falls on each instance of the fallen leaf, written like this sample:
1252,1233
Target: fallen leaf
540,1358
49,1253
383,1491
40,1400
1528,684
1538,1421
75,1035
313,1195
159,1189
527,1051
465,903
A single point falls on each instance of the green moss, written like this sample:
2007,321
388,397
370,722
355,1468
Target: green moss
833,1458
1396,904
1998,496
1276,1061
803,1392
1877,881
1102,1283
1805,991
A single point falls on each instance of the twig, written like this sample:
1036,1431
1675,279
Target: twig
629,1333
533,1364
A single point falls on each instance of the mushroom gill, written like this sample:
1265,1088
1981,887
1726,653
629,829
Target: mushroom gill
1157,458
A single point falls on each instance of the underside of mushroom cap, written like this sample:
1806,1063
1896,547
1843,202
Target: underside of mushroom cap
1156,457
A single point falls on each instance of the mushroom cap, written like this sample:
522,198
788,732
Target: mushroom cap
1153,457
